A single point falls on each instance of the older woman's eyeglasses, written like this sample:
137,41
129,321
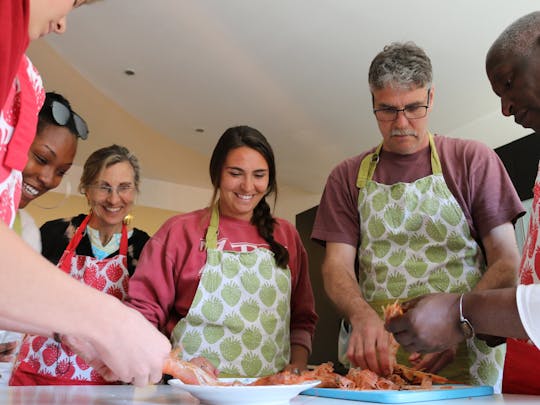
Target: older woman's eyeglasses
411,112
104,190
62,114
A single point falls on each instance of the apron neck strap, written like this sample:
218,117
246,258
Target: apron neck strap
212,231
369,163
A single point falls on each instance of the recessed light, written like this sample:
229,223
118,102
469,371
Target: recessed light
129,72
199,130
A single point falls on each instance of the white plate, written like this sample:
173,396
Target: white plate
259,394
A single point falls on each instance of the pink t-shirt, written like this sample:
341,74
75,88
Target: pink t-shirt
473,172
167,275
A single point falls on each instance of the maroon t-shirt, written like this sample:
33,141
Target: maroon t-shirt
473,172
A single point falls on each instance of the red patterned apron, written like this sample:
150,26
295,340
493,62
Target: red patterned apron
44,361
521,367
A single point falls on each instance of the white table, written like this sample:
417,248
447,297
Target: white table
164,394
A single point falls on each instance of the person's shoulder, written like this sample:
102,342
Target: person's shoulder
190,220
463,147
64,222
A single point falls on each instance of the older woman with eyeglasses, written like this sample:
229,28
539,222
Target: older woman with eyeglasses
96,248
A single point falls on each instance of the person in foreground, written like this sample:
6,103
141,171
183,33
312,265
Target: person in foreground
50,157
115,339
230,282
418,211
98,249
513,68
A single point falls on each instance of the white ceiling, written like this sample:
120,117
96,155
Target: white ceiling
294,69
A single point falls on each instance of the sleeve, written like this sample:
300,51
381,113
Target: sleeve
136,245
337,218
53,239
528,302
30,231
303,315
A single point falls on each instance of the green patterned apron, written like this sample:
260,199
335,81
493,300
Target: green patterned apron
239,318
415,240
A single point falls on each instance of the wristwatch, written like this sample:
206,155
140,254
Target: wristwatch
465,325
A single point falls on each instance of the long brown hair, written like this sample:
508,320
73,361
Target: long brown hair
262,218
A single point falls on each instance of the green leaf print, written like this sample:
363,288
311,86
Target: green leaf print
487,372
191,341
429,206
376,227
211,356
417,242
267,371
268,294
414,222
455,267
230,348
381,248
250,310
250,281
212,309
283,308
379,201
411,202
472,278
248,259
251,338
251,364
379,295
499,356
482,346
230,266
280,337
269,322
397,258
416,266
212,333
283,281
265,268
194,318
371,188
455,242
234,323
230,371
197,298
396,284
459,287
381,271
211,280
397,190
450,214
416,289
231,293
423,185
269,350
213,257
439,280
436,254
399,238
394,216
369,287
436,230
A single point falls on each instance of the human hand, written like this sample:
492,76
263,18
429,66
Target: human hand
433,362
370,346
126,347
7,351
429,324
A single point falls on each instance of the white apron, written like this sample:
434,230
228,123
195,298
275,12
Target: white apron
415,240
44,361
240,316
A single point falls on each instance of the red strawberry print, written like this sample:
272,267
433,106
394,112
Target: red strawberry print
125,284
50,354
533,237
81,260
64,368
25,349
12,115
95,376
67,349
100,283
114,272
81,363
90,276
526,276
5,207
115,291
37,342
34,364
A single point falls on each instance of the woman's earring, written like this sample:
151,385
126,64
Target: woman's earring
128,219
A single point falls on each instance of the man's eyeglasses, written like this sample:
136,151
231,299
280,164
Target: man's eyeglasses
411,112
104,190
61,115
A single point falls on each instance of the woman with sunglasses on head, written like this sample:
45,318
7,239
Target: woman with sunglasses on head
131,350
99,249
230,282
50,156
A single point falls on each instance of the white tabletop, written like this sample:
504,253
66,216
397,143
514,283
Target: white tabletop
164,394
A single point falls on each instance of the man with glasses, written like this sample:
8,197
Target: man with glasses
417,214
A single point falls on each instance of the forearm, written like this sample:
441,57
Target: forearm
299,357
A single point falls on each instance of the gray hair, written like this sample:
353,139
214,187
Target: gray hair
518,37
402,65
106,157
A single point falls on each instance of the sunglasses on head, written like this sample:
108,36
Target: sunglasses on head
61,115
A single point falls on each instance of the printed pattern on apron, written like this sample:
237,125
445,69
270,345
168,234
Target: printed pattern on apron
54,362
522,357
240,316
11,179
415,240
